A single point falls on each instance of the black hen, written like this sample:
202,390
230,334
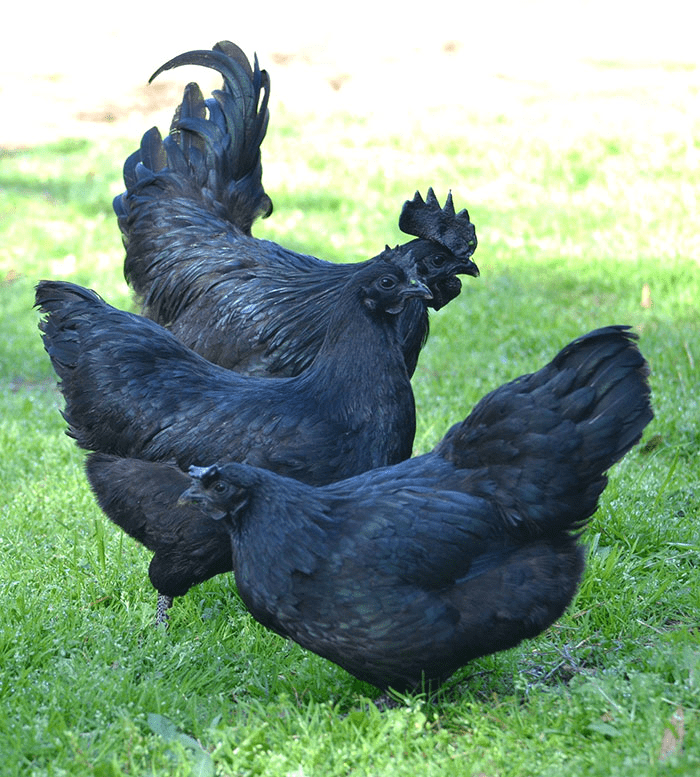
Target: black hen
133,389
249,304
403,574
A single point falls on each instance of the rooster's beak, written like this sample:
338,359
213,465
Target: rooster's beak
468,268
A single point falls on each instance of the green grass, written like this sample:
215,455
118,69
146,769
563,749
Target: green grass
574,218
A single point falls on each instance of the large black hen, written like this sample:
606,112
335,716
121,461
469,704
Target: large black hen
133,389
247,304
405,573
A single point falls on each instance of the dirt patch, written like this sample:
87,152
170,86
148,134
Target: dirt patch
70,70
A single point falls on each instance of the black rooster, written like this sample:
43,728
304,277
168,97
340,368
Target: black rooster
247,304
133,389
403,574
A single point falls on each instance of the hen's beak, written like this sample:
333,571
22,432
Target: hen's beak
192,495
195,495
418,289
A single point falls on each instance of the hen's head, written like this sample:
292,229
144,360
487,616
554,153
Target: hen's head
385,286
221,490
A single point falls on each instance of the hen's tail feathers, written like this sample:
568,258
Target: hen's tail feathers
84,338
68,310
63,304
547,439
216,157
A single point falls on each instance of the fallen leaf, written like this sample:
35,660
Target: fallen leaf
672,741
202,765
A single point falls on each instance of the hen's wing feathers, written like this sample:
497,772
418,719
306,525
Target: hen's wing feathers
441,533
404,528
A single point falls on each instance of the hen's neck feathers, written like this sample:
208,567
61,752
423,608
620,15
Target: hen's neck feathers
361,349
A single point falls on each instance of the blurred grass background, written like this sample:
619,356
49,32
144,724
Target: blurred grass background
572,135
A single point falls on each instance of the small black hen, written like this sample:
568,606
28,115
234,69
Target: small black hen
133,389
403,574
247,304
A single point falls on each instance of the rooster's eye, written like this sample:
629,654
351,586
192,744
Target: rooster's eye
438,260
219,487
387,282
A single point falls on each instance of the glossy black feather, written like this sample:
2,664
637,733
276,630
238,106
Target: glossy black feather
249,304
404,573
188,547
133,389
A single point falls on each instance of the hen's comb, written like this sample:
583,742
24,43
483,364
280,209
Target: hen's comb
427,220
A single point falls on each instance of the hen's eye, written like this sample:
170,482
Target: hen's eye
387,282
219,487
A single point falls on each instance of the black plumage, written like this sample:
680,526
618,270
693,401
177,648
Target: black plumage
403,574
248,304
188,548
131,388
